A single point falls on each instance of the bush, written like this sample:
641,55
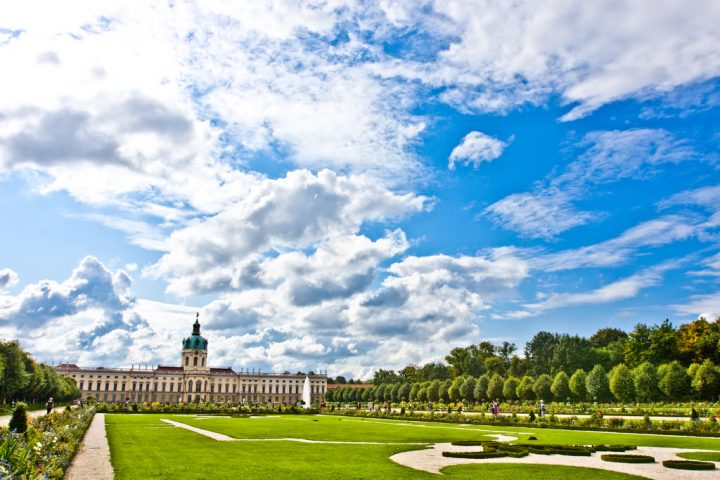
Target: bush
477,455
689,465
614,457
19,420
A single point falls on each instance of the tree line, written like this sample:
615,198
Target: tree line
645,383
24,379
651,362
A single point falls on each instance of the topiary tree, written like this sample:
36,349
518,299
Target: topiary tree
560,387
646,382
454,391
542,387
510,388
481,387
467,389
706,382
432,391
525,389
495,387
577,385
622,383
443,391
18,421
597,384
673,381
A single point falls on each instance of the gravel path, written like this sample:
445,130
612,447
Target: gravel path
431,460
93,459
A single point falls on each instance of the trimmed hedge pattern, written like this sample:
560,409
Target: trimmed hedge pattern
493,449
689,465
614,457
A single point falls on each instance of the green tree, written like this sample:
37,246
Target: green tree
543,387
15,376
422,394
540,350
467,389
706,382
597,384
18,421
622,383
510,388
404,392
495,387
494,365
577,385
605,336
481,388
413,391
646,382
443,391
454,391
673,381
525,389
432,391
561,387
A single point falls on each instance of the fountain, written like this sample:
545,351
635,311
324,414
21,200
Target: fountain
306,393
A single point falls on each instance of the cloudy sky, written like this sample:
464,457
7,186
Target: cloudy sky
352,185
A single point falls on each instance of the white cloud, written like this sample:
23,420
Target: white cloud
622,289
504,54
475,148
607,157
294,212
8,278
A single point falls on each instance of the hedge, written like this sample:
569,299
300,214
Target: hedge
476,455
689,465
614,457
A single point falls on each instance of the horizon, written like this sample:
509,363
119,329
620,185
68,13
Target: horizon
347,186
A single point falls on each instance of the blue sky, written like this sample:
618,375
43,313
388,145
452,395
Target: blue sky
353,185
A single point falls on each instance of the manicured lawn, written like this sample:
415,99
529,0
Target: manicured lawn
142,446
706,456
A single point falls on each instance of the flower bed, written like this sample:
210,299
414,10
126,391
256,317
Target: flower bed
614,457
47,447
689,465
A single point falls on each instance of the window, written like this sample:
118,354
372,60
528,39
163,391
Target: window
163,386
194,361
81,385
202,362
235,389
190,384
107,386
115,386
122,387
187,360
98,386
171,386
134,385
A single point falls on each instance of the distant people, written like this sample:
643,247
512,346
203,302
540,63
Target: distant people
49,405
542,409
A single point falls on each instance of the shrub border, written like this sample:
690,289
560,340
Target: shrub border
688,465
625,458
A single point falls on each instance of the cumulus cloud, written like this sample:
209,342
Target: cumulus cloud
475,148
294,212
8,278
605,157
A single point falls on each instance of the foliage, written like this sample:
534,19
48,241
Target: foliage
622,383
525,389
597,384
510,386
577,385
47,447
21,378
673,380
543,387
625,458
646,382
561,387
706,381
689,465
481,388
19,420
495,387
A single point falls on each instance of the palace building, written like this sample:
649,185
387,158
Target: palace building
193,381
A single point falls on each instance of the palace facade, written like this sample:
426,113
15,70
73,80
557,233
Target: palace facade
192,381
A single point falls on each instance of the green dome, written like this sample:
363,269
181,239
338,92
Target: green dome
196,341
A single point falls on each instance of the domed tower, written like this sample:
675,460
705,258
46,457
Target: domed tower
194,351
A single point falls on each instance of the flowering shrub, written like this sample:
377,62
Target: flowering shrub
45,450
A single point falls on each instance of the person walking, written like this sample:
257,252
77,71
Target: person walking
49,405
542,409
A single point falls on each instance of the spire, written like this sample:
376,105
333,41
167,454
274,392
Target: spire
196,325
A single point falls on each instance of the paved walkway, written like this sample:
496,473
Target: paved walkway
5,419
93,458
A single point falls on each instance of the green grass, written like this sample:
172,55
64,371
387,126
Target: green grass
142,446
704,456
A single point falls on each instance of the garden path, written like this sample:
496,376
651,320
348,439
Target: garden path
93,458
431,460
5,419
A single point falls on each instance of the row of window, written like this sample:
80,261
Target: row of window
138,386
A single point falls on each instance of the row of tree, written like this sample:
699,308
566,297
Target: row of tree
644,383
551,353
22,378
